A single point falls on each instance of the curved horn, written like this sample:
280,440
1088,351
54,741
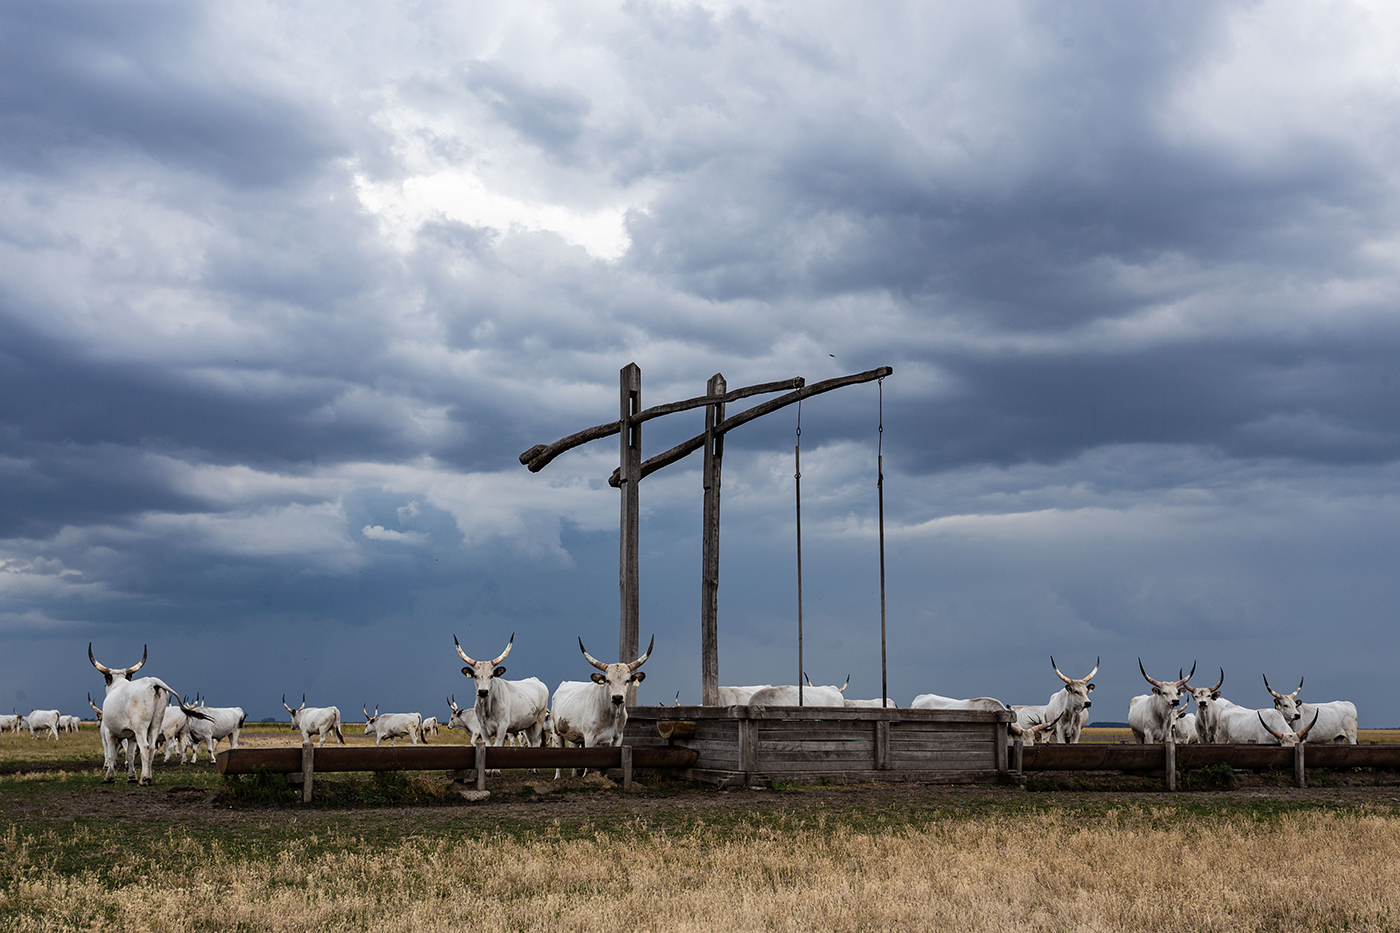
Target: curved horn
592,660
1304,734
102,668
286,707
808,678
503,653
139,664
1294,694
1219,682
1275,693
1277,735
846,684
1090,676
452,702
465,656
368,717
1155,683
95,708
643,659
1182,681
303,703
1057,671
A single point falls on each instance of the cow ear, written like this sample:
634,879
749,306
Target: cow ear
468,672
599,679
1157,690
639,677
1215,695
1091,686
501,669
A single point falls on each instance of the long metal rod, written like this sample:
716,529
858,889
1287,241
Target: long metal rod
686,448
880,486
539,456
797,479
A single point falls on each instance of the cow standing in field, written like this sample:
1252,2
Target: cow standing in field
217,722
174,732
464,718
1335,720
9,722
588,714
1151,715
319,720
132,709
1207,703
69,723
392,726
41,720
1067,708
506,706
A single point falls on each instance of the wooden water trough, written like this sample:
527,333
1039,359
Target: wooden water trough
461,762
754,746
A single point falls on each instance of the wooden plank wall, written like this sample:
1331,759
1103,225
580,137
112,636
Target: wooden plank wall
756,746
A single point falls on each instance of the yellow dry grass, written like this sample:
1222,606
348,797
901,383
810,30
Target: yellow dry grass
1126,870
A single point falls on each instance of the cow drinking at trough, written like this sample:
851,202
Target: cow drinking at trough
588,714
320,720
1151,715
505,707
132,709
1335,720
1067,709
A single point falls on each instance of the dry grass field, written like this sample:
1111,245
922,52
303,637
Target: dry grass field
80,855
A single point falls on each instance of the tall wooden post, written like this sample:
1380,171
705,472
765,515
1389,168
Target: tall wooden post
630,389
709,561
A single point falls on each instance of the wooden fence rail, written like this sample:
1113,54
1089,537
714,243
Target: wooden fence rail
300,764
1154,757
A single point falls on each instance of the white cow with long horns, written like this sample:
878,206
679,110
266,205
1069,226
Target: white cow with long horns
506,707
392,726
133,709
320,720
1335,720
1151,715
588,714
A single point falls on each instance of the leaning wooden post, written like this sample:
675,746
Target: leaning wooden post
1299,777
709,557
1169,743
481,766
630,390
308,768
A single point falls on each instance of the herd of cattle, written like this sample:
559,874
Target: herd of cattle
138,716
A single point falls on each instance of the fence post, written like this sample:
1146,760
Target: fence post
1169,743
481,767
1018,755
626,767
308,767
1299,777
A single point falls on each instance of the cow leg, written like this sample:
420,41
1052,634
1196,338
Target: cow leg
109,755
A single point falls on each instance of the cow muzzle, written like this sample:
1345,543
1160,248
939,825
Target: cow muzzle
483,693
618,700
1089,704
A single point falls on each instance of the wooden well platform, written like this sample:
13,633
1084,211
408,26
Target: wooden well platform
756,746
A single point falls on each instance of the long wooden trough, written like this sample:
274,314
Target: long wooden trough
756,746
1085,757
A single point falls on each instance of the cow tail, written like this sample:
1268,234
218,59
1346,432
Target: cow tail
241,720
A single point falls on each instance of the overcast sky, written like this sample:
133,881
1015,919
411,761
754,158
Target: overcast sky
285,290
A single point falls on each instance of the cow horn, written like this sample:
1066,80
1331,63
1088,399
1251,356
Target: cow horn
303,703
1275,693
1219,682
138,665
1090,676
1277,735
1155,683
102,668
464,655
285,706
846,684
1304,734
808,678
368,717
643,659
503,653
1182,681
592,660
95,708
1294,694
452,702
1057,671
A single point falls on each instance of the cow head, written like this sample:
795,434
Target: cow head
1286,703
1289,738
95,708
115,675
1168,690
1204,695
841,689
192,710
1078,690
294,712
369,720
618,677
483,672
1030,732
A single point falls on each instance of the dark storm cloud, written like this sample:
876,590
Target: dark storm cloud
80,77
